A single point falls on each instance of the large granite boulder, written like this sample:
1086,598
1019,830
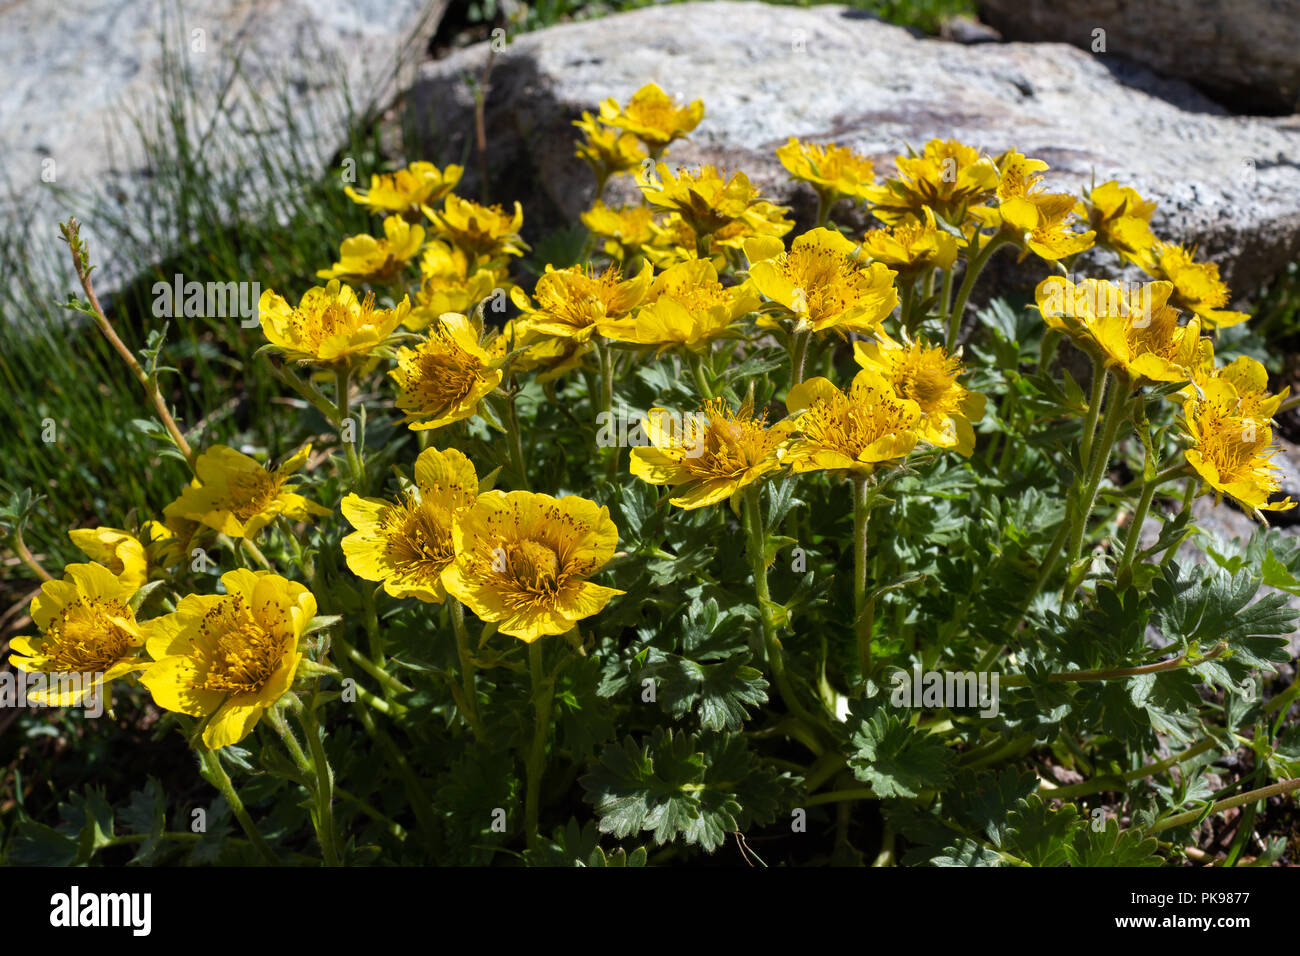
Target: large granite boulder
79,78
1241,53
1227,183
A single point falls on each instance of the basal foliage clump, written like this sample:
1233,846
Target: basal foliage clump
710,529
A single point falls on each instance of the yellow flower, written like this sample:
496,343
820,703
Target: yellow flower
626,230
821,282
1231,452
451,282
119,551
549,355
854,433
1033,219
367,259
948,177
653,116
1075,308
673,241
711,455
1248,378
1052,239
87,628
443,379
687,306
229,657
911,246
702,197
577,302
407,544
607,151
523,559
1122,220
1147,344
406,189
238,497
1197,286
481,231
927,375
329,325
834,172
760,219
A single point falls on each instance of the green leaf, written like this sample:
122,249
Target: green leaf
146,814
90,818
1038,834
966,852
718,692
1111,846
674,785
897,760
983,802
35,844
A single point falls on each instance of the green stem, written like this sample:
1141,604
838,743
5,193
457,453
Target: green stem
1072,677
543,696
342,386
516,441
467,669
27,558
1119,781
1115,416
825,200
366,664
324,789
773,654
1189,495
696,362
217,776
414,790
605,407
906,302
1135,528
395,828
798,352
1044,573
1263,793
973,269
1097,394
863,609
308,392
945,294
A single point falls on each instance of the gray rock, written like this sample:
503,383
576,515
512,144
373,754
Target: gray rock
1243,54
75,76
1230,184
965,30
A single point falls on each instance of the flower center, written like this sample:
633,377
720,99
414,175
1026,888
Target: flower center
728,444
850,423
86,637
439,374
533,566
419,543
241,655
926,377
251,493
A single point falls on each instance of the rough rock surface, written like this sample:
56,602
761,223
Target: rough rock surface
1243,54
1230,184
75,75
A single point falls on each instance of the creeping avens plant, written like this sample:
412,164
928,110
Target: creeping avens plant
880,578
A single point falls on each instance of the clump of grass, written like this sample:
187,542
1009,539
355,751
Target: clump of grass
258,211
